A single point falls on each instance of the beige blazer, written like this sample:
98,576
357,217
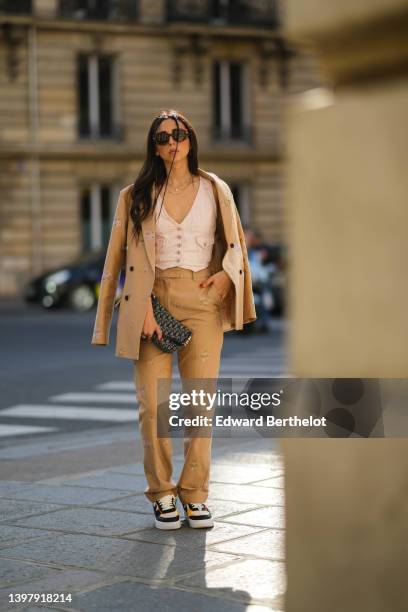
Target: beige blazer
138,261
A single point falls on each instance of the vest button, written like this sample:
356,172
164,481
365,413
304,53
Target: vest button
240,271
131,268
232,245
126,297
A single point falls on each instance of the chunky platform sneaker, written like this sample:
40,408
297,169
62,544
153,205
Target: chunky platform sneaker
198,515
166,513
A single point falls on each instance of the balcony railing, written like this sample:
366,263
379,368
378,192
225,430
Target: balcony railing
17,7
233,12
112,10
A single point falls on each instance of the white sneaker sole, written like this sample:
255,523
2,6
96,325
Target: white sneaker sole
167,526
200,524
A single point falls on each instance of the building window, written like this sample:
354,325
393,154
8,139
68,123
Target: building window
97,104
230,101
259,13
99,9
97,210
11,6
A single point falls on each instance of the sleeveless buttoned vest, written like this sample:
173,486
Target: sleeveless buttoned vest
188,244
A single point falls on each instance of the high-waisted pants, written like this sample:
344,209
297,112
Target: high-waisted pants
199,309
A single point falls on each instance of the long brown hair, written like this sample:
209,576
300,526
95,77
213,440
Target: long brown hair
153,171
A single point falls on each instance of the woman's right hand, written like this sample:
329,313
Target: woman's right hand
150,325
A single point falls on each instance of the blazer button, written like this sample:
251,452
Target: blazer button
126,297
131,268
232,245
240,271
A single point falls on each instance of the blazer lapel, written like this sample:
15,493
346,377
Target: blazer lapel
223,203
149,235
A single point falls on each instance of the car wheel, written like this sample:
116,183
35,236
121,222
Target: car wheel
82,298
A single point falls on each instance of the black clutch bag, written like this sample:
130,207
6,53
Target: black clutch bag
175,334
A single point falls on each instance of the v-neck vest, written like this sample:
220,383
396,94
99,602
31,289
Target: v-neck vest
188,244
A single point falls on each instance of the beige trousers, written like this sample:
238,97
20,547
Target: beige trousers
199,309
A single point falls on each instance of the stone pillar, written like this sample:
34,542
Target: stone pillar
347,500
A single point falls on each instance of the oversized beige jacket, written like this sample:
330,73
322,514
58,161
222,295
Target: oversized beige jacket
138,261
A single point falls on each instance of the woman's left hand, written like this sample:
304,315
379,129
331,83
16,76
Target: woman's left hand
221,281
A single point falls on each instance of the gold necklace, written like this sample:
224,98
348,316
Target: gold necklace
181,188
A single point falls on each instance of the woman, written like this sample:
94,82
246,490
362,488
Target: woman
178,235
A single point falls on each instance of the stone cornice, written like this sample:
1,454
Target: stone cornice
111,154
161,29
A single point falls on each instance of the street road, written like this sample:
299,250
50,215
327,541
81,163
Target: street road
53,380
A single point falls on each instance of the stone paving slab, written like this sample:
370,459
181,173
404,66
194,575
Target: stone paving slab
33,608
135,469
255,580
139,503
266,544
90,531
165,599
129,482
193,538
245,493
272,517
15,509
15,568
248,451
221,508
11,535
130,503
234,474
276,483
152,562
44,445
66,494
70,462
54,580
89,520
11,487
223,473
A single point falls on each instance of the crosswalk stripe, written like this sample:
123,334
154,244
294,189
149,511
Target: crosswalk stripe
116,385
20,430
120,395
82,413
120,398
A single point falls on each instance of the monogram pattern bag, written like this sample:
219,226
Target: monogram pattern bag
175,334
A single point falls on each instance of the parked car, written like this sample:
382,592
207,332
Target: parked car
75,285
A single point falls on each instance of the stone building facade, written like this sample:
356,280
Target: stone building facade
81,81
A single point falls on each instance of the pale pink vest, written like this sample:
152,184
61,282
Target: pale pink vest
188,244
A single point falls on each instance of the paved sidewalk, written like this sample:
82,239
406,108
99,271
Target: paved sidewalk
75,520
